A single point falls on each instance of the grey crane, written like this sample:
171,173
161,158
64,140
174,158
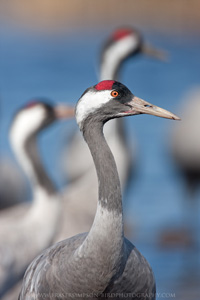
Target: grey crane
185,151
27,231
123,44
185,141
102,261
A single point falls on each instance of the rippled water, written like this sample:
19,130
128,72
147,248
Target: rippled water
60,68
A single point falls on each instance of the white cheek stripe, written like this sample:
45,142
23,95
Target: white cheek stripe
90,102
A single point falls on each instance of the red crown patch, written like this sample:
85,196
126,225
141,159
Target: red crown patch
104,85
121,33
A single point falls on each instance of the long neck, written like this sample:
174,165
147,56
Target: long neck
109,185
107,229
28,156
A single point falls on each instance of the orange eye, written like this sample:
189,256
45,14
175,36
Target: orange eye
114,93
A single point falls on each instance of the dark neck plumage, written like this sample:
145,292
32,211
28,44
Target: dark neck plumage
37,174
105,240
108,179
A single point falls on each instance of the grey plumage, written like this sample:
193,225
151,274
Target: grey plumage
54,273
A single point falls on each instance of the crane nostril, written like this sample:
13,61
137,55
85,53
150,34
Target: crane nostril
147,105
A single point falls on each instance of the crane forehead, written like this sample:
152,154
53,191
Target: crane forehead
121,33
32,103
105,85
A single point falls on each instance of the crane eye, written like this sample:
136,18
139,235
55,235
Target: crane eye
114,93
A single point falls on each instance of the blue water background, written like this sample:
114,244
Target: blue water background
61,67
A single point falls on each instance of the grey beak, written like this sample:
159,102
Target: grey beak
63,111
156,53
139,106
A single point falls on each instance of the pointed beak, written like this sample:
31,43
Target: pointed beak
63,111
155,53
139,106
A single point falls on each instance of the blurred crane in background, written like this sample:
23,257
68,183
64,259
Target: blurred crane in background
185,149
29,229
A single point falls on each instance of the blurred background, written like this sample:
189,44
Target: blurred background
51,48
